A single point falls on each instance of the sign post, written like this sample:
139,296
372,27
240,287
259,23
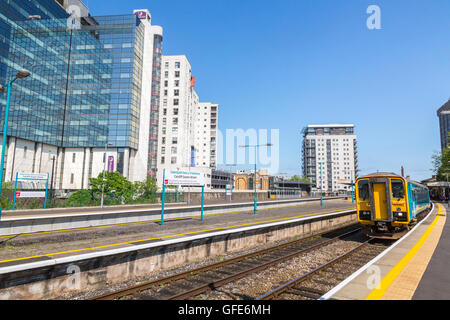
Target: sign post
181,178
31,194
203,199
163,196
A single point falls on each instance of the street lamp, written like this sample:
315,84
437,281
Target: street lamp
256,157
21,74
104,170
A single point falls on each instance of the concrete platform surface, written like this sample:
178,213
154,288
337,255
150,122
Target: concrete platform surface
414,267
26,248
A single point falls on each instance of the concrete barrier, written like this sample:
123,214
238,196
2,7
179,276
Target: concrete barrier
14,226
56,278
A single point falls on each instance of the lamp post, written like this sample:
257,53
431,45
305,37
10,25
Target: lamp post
104,170
21,74
256,157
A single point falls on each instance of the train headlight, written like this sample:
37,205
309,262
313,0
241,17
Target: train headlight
365,215
400,216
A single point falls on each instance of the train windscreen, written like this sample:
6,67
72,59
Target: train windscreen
363,189
398,191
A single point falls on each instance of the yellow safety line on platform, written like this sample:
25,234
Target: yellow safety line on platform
138,222
164,237
379,292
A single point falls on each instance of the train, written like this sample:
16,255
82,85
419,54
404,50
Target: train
388,205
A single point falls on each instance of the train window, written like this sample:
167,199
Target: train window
363,189
397,189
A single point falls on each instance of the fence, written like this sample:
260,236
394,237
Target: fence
87,198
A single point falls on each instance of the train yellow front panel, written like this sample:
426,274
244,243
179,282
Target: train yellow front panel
380,201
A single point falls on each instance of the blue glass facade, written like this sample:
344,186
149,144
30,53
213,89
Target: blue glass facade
85,87
12,13
123,35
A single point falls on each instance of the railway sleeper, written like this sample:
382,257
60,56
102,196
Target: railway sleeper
303,293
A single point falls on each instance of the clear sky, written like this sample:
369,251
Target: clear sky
289,63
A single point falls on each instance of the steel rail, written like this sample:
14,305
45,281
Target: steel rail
187,274
273,294
216,284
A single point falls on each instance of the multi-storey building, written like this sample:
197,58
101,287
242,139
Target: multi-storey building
91,87
444,124
330,158
206,134
187,128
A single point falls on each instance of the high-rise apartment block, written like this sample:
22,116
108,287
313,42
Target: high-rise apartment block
330,157
187,128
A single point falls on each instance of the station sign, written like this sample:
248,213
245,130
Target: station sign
184,178
30,194
32,176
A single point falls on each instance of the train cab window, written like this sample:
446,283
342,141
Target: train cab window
398,191
363,189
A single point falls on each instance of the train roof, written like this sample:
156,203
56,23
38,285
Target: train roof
381,174
391,175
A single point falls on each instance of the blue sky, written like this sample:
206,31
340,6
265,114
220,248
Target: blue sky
289,63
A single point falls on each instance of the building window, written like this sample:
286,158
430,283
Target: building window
163,130
166,83
71,178
177,65
166,92
164,112
175,121
174,150
163,140
163,160
175,111
175,130
177,83
163,150
164,122
167,65
74,156
176,92
174,160
25,152
177,74
174,140
176,102
166,74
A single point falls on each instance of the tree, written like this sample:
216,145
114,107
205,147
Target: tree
115,184
299,178
444,169
436,161
146,189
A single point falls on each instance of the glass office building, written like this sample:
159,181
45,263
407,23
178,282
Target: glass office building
65,101
87,90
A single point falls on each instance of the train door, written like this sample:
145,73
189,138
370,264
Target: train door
380,201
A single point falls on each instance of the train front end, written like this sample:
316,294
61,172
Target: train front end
382,205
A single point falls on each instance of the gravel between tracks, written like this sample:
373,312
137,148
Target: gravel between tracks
166,273
257,284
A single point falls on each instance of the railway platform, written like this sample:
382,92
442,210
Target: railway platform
112,253
413,268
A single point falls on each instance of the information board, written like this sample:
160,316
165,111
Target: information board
184,178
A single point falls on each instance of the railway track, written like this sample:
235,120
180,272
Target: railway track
315,283
194,282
